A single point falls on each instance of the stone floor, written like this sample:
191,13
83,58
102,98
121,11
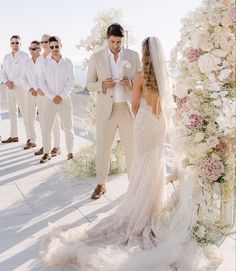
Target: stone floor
33,195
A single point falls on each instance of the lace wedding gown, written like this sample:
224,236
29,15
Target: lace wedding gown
142,233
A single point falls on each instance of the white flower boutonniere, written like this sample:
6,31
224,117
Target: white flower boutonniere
126,64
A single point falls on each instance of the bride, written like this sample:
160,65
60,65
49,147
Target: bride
144,232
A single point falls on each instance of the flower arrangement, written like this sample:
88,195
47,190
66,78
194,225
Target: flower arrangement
203,65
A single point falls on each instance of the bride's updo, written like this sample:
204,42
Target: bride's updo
147,69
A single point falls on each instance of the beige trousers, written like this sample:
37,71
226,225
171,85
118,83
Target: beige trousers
17,98
57,125
64,110
121,119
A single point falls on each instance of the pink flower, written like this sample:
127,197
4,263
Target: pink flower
181,101
224,147
233,15
196,122
211,168
194,54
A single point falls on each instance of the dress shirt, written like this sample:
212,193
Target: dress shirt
57,79
13,67
29,74
117,73
39,68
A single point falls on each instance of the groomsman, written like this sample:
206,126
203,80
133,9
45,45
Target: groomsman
57,81
41,100
111,73
31,95
13,66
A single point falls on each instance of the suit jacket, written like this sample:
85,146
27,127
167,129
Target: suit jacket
99,71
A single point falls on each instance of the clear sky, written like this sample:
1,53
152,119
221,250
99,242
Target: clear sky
72,20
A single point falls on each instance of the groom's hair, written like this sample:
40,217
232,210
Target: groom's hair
115,30
54,38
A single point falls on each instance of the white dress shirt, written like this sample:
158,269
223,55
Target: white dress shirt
57,79
39,68
29,74
117,73
13,67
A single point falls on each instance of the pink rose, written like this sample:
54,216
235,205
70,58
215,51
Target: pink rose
196,122
194,54
211,168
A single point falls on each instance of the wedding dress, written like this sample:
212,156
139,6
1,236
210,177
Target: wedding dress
145,232
142,233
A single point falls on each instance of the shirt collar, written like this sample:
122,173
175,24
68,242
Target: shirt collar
110,52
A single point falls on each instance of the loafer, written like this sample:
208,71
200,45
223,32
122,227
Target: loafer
55,152
30,146
10,140
39,152
70,156
98,191
46,157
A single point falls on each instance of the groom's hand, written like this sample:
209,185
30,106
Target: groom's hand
108,83
125,82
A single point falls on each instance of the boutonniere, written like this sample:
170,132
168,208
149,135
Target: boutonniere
126,64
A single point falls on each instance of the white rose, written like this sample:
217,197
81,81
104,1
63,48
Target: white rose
224,74
212,141
208,63
199,137
126,64
214,19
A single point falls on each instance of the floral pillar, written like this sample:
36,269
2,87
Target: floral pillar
203,68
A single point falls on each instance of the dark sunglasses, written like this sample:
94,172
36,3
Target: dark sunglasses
33,49
44,41
56,47
17,42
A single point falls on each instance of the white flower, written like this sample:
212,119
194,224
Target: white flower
224,74
199,137
214,19
126,64
208,63
212,141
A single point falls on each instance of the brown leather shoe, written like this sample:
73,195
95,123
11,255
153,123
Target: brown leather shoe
39,152
98,191
11,139
55,152
70,156
30,146
45,158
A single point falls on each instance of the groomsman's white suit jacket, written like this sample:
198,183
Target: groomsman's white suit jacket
99,70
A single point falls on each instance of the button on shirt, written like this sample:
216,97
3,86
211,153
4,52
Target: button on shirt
117,73
13,67
29,74
57,79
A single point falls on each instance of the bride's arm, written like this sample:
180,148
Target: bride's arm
136,92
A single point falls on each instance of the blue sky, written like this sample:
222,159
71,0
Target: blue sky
72,20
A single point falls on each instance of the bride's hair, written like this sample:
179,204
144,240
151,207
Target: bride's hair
147,69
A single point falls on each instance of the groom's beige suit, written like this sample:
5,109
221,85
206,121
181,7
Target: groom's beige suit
111,115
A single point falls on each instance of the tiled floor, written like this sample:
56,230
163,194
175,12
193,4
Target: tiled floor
32,195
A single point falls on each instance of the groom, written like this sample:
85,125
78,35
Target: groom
111,73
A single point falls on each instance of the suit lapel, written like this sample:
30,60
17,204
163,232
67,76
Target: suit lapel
107,71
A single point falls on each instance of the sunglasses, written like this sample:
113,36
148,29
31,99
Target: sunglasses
33,49
44,41
56,47
17,42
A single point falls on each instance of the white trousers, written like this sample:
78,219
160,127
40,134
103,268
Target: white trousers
57,125
17,98
64,110
31,106
121,119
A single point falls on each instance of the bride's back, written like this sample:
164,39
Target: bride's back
152,98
